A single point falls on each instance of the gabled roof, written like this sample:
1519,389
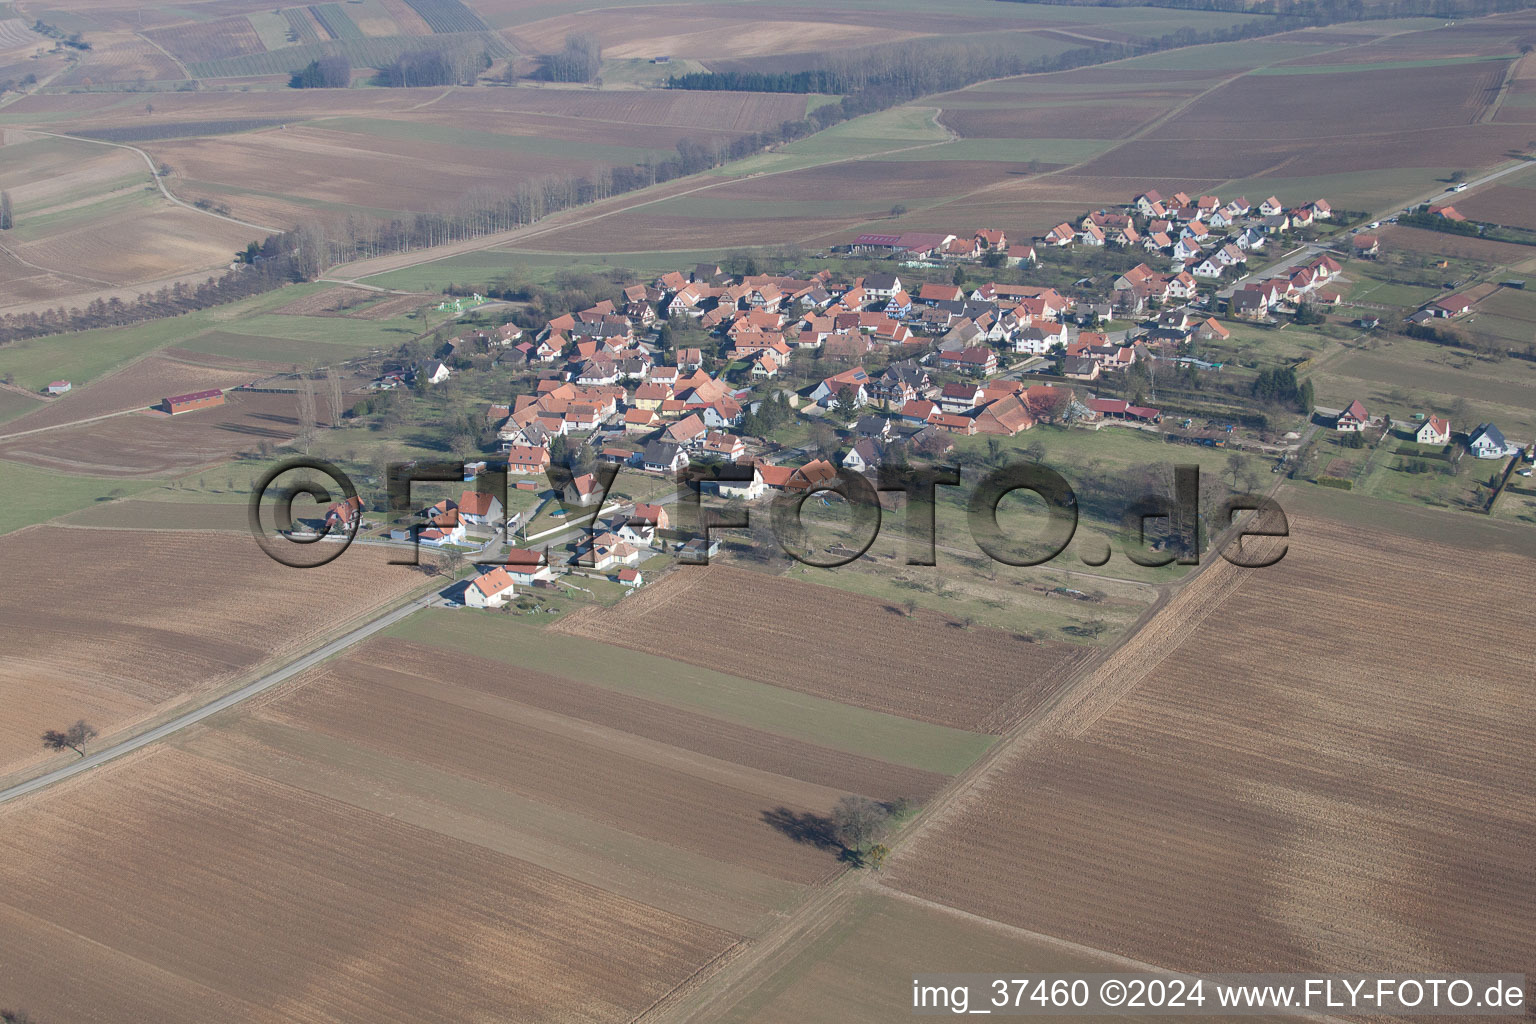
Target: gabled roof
476,503
494,582
660,453
1490,433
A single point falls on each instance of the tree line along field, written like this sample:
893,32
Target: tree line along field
1366,804
543,833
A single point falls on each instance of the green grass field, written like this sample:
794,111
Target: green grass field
880,132
83,357
770,708
29,495
13,405
640,72
1247,53
240,329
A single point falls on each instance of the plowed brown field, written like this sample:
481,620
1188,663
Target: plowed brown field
712,737
176,889
115,626
645,788
834,644
138,386
152,444
1310,766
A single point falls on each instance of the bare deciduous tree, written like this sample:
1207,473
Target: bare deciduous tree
74,738
306,433
859,822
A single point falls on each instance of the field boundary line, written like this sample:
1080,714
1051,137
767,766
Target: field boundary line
169,56
1119,960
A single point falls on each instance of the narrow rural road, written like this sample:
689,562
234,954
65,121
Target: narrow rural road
223,703
72,423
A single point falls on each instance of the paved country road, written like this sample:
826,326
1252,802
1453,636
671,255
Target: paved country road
229,700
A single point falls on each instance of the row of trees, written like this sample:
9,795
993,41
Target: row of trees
7,219
414,68
278,260
579,61
332,72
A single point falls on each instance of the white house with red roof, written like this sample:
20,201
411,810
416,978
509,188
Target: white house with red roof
489,590
1434,431
479,508
1353,419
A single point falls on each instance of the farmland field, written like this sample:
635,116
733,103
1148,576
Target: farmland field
1412,376
422,922
210,40
890,663
137,387
144,444
118,661
586,798
1373,781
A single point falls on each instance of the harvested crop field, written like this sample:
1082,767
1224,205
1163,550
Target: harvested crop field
1501,204
144,514
209,40
888,662
155,241
1439,243
759,749
1075,121
116,626
1213,801
138,386
702,33
324,912
124,58
473,725
153,444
